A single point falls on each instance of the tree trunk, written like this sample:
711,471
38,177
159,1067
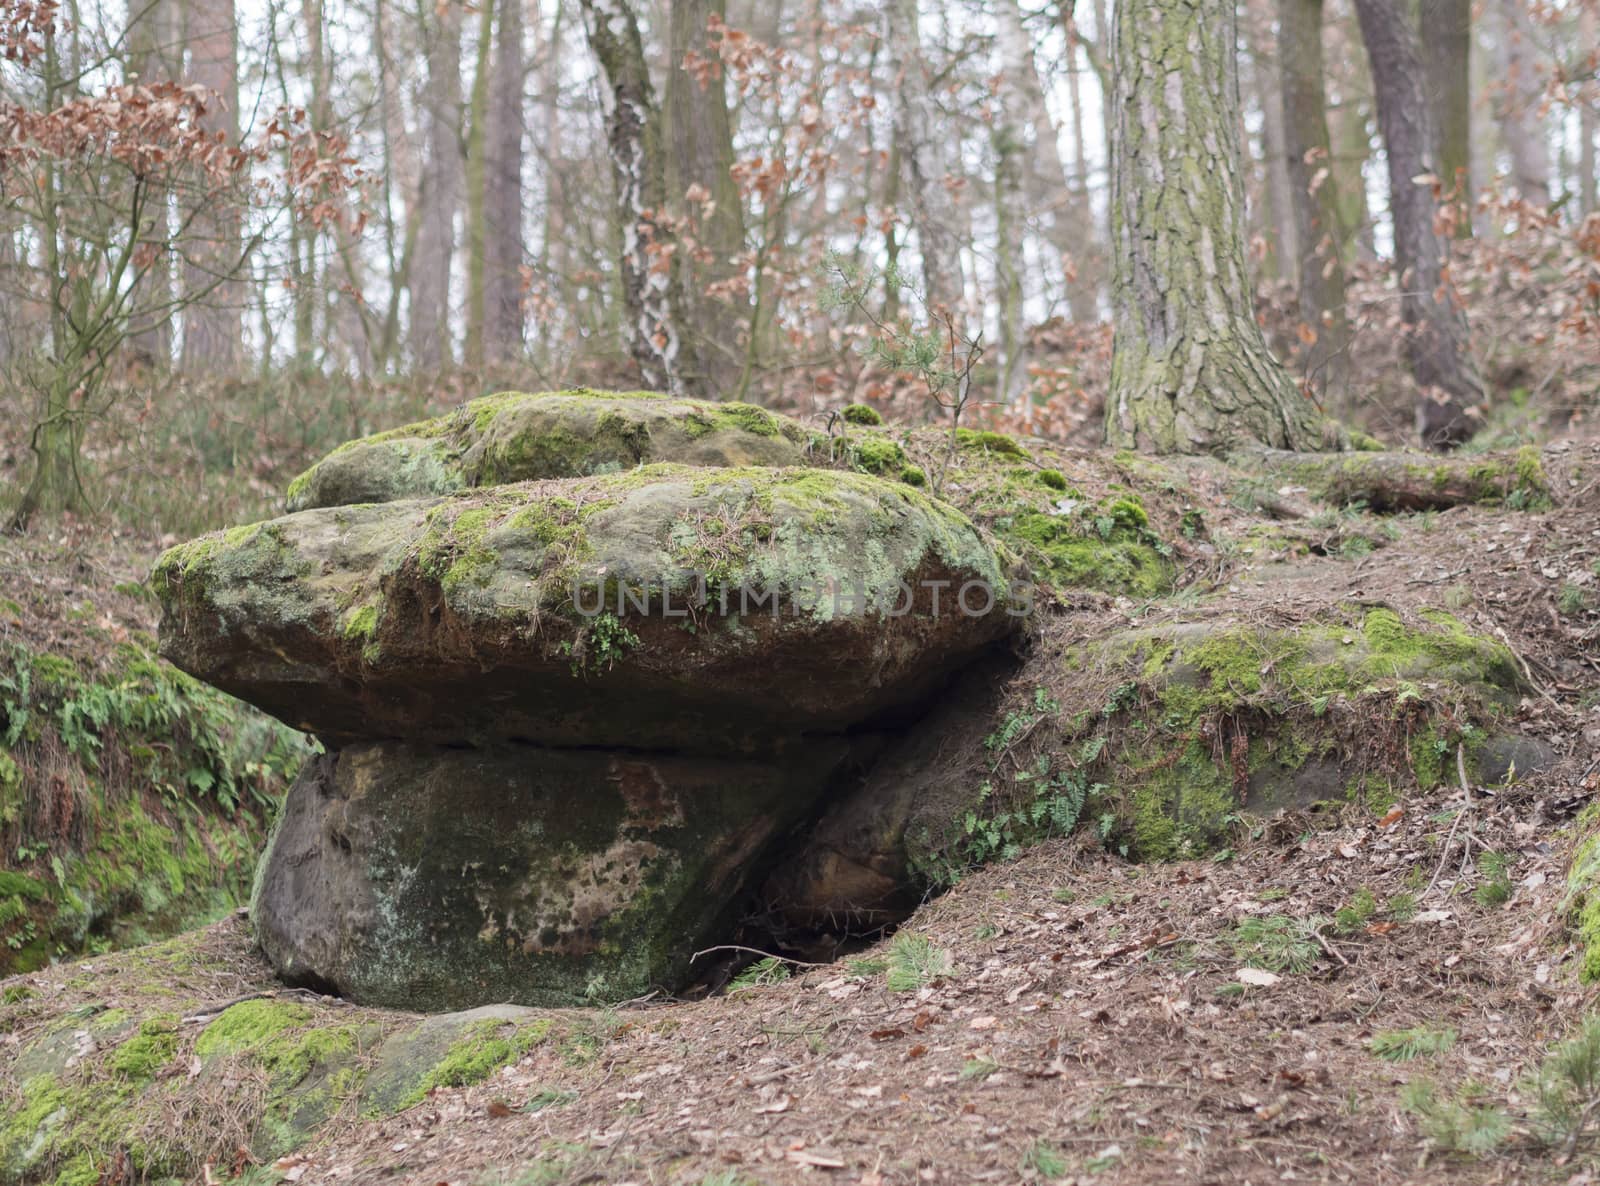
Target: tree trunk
1313,192
1447,66
1436,328
212,323
700,153
553,248
1008,141
1350,123
1086,277
1517,97
920,140
633,134
1071,229
1588,120
55,485
439,191
1190,369
477,184
152,44
1267,86
503,197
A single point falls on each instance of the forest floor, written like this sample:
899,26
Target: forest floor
1070,1016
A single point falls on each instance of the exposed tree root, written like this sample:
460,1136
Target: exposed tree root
1388,482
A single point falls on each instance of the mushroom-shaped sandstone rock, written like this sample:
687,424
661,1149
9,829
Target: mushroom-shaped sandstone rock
566,718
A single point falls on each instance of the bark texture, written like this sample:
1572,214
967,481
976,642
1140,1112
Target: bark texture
1436,328
439,194
633,133
1446,59
922,157
1313,191
1517,95
700,153
212,324
1191,371
502,278
153,44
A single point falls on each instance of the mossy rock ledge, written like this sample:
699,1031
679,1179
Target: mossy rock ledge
566,719
1168,736
516,436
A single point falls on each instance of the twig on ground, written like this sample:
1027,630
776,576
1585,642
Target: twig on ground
756,951
1444,853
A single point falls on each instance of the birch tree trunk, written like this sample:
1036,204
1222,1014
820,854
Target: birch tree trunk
633,133
1516,102
1436,328
699,139
503,191
1190,369
926,173
1313,190
212,320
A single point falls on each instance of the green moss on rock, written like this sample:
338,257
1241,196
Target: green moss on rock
648,546
989,442
514,437
1169,734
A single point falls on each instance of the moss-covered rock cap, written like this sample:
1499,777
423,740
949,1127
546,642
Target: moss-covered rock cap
666,606
515,437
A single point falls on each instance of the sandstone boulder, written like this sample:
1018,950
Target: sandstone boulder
515,437
771,606
427,878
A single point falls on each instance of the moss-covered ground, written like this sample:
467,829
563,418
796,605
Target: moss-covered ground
101,1060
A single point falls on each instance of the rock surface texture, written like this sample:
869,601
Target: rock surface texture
579,661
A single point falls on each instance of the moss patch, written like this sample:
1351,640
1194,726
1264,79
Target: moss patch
516,436
135,798
1167,735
